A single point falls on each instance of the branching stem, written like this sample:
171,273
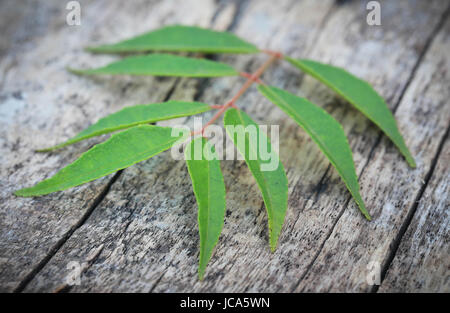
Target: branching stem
251,78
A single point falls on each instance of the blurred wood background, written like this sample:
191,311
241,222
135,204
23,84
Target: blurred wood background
136,230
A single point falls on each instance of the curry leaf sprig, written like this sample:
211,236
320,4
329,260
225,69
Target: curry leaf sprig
139,141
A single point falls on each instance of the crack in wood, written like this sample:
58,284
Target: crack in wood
66,288
239,9
163,276
316,255
23,284
380,136
409,217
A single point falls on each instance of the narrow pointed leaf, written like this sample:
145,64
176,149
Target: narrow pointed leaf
272,183
120,151
325,131
209,190
163,65
135,115
179,38
361,95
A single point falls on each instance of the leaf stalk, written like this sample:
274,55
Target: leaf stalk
251,78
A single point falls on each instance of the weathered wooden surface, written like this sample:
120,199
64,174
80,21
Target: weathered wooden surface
137,230
424,252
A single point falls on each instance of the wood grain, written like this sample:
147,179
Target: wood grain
353,247
422,261
141,233
42,104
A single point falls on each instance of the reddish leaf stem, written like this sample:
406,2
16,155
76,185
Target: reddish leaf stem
251,78
276,54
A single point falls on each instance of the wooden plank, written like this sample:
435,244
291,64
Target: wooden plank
147,223
161,199
357,251
422,261
41,104
146,230
245,264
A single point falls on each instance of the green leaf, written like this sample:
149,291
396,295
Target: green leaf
120,151
272,183
135,115
361,95
209,190
325,131
163,65
181,38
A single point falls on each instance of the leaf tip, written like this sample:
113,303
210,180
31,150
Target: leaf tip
201,273
93,49
28,192
411,162
21,193
363,210
273,243
76,71
52,148
44,150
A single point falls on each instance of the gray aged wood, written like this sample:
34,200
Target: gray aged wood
43,104
137,230
424,252
388,183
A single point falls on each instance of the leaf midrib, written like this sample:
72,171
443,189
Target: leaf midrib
180,48
313,134
124,126
270,207
396,138
159,148
209,213
327,153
